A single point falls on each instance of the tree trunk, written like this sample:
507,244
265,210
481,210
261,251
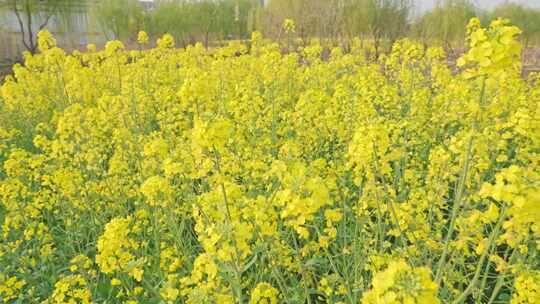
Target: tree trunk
31,42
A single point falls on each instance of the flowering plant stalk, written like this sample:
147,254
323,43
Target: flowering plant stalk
244,174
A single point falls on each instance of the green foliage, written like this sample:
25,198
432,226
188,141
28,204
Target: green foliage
330,21
528,19
312,18
119,18
446,22
202,20
381,19
172,18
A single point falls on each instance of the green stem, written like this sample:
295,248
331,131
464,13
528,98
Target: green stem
304,277
238,274
484,280
491,242
459,194
455,208
402,233
347,283
486,272
500,281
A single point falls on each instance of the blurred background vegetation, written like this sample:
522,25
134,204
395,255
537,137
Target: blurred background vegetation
76,23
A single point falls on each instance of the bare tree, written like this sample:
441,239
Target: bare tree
35,15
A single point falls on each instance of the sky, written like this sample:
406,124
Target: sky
484,4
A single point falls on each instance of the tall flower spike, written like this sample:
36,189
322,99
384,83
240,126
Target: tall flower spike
46,40
142,37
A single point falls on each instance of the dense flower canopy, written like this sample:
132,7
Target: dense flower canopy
244,174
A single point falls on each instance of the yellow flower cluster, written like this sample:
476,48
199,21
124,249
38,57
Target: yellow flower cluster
264,293
114,248
527,287
520,188
71,289
401,283
142,37
246,174
492,50
10,288
289,26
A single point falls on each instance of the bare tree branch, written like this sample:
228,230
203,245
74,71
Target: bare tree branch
21,24
29,27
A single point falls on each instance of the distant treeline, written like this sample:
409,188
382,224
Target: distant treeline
331,21
382,21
